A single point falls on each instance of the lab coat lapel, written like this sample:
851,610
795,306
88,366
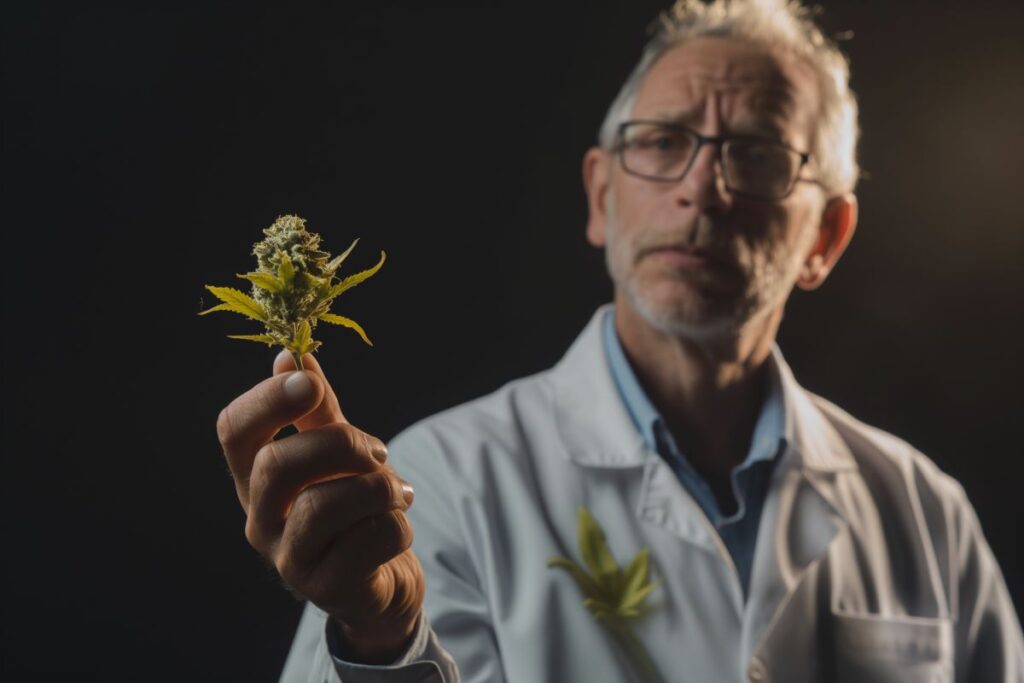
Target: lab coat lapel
803,512
597,432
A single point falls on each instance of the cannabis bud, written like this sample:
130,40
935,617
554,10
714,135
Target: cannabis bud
292,288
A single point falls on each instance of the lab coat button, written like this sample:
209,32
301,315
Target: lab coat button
757,672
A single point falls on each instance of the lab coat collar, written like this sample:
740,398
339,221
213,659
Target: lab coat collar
597,431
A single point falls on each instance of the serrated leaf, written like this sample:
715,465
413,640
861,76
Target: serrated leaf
353,280
340,258
264,281
587,585
265,338
596,553
286,270
236,301
347,322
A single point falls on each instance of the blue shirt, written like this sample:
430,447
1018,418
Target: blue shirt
749,479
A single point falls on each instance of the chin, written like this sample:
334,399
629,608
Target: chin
676,311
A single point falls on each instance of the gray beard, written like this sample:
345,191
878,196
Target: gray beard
768,286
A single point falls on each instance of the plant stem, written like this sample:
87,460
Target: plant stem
634,650
298,361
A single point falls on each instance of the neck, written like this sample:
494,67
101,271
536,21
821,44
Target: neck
709,392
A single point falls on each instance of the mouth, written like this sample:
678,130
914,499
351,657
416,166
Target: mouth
684,257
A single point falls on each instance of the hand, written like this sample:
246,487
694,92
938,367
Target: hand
324,508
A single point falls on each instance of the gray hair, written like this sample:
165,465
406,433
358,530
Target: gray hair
778,24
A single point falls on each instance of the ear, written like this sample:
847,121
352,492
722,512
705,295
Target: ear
838,222
596,168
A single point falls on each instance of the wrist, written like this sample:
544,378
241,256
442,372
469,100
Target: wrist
376,644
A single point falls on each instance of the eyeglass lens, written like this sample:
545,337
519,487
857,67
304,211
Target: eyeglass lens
754,167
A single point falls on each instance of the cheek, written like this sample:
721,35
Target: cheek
638,202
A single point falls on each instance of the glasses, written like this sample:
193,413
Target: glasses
752,167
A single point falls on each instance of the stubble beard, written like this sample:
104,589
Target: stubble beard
700,307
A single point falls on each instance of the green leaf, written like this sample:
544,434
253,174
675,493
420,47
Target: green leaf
587,585
236,301
309,281
635,574
596,553
347,322
264,338
337,260
264,281
303,332
632,600
286,271
353,280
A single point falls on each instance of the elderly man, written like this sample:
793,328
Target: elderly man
786,540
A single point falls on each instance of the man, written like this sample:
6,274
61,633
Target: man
789,541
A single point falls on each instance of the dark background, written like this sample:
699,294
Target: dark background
144,148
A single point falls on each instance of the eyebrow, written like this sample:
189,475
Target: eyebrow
767,125
687,117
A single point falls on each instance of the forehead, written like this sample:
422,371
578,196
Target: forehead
749,82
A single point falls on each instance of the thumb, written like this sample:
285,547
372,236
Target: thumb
329,410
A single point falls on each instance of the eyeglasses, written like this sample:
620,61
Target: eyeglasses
758,168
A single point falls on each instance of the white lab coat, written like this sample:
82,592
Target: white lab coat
870,564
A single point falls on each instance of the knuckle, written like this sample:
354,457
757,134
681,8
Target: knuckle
352,441
267,466
346,435
393,531
376,448
305,511
253,534
225,429
382,490
288,565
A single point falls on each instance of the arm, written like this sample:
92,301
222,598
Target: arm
455,601
327,510
989,644
317,656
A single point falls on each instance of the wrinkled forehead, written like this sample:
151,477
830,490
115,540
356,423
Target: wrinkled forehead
754,87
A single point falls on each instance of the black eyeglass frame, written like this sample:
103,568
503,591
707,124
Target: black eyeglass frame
718,141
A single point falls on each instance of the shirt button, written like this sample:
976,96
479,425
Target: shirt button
757,672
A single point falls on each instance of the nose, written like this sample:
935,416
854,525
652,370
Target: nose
703,186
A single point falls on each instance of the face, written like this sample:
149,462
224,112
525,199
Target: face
688,256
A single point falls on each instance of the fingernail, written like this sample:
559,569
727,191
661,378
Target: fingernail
298,387
407,492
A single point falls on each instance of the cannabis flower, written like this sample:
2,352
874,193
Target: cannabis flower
292,288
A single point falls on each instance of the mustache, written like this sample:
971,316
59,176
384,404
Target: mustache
702,235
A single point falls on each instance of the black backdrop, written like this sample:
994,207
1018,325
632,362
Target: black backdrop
146,144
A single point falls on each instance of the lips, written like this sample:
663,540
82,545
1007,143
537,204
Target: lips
685,256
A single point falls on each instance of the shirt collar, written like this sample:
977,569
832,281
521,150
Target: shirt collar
772,431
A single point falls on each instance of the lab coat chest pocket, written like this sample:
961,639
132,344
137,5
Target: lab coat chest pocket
884,649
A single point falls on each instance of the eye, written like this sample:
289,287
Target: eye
661,142
749,153
665,143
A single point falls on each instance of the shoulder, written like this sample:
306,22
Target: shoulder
890,465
